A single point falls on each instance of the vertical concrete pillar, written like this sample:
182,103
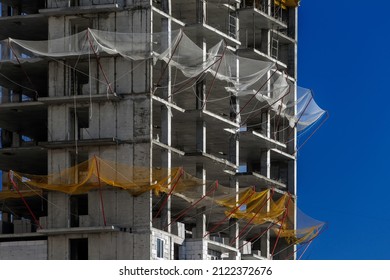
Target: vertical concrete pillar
200,136
233,233
265,245
201,128
265,164
200,123
58,208
234,157
234,228
4,55
201,216
201,11
166,114
16,140
5,95
200,229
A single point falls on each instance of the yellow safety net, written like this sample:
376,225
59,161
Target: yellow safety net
96,173
287,3
258,208
299,236
296,227
11,194
247,205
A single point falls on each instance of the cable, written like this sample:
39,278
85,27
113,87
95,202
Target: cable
182,213
281,226
232,212
21,66
215,76
257,212
181,173
23,199
169,60
100,65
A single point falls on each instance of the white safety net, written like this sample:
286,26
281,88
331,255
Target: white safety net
244,76
307,111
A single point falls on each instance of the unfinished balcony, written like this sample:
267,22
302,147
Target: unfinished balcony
261,13
26,27
21,7
23,76
23,125
194,16
69,7
18,221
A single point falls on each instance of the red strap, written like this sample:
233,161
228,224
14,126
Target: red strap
100,192
170,193
24,200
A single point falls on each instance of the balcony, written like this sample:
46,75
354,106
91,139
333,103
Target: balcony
69,7
22,7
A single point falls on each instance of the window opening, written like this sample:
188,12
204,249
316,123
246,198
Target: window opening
78,249
160,248
78,207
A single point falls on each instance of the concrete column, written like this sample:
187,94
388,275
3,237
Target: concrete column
201,129
200,136
266,155
16,96
200,124
166,114
265,245
200,229
234,228
58,208
201,11
5,98
200,91
237,21
233,233
16,140
201,216
5,10
234,157
5,95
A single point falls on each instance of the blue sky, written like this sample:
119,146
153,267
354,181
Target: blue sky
343,170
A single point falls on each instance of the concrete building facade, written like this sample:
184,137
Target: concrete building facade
51,122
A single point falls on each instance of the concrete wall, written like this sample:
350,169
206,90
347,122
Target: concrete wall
111,246
23,250
128,119
104,246
67,3
194,249
118,206
167,252
58,208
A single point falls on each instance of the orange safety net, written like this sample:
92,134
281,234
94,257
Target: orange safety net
85,176
261,208
298,228
299,236
256,208
7,194
292,3
287,3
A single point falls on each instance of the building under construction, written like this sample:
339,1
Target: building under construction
140,129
